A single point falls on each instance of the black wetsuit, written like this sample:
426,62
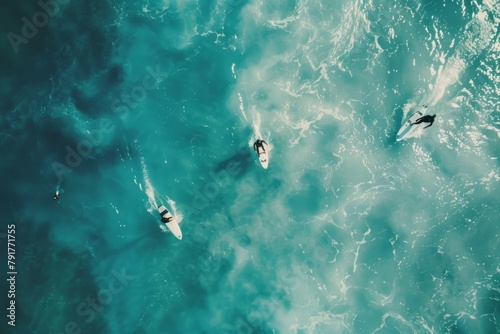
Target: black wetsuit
258,144
426,119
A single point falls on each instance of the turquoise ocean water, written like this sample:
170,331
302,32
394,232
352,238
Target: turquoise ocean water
125,105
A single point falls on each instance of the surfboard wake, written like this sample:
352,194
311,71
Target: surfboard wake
150,191
170,222
263,156
479,33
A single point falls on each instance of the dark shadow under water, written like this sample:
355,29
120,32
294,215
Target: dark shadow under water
240,162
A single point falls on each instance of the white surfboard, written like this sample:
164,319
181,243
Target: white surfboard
264,156
172,224
408,127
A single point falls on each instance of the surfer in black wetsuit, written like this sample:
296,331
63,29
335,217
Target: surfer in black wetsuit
166,219
257,144
425,119
56,195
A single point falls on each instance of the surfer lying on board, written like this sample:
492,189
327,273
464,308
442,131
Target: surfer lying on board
257,144
56,195
166,219
425,119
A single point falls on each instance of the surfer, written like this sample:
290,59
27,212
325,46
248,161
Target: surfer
257,144
166,219
56,195
425,119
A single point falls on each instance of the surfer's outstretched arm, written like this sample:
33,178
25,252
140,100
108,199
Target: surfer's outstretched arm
429,124
418,121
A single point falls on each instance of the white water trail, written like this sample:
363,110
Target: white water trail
447,76
256,125
150,191
176,213
478,34
242,107
407,108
